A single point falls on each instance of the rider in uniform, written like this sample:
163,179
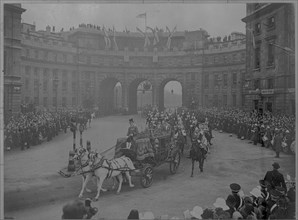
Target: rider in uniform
133,129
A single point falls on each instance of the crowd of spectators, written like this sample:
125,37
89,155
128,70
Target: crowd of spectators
271,131
270,199
32,128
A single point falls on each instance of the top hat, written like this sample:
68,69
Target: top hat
275,165
235,187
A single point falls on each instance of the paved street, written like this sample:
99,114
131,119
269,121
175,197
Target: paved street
34,189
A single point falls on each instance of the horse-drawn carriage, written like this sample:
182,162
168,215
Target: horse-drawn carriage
149,150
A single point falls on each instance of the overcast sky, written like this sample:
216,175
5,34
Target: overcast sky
216,19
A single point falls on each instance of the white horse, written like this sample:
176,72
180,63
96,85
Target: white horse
81,155
104,169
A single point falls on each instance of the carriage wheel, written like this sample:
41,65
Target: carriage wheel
147,177
174,164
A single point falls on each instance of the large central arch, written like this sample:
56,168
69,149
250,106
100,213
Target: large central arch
161,92
132,94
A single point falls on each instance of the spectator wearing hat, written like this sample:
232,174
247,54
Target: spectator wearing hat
133,129
235,188
272,205
91,211
207,214
274,178
264,193
74,210
231,203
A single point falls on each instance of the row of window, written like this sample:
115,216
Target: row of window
218,81
270,54
49,56
270,24
219,101
225,58
46,103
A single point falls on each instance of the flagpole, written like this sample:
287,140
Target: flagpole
146,22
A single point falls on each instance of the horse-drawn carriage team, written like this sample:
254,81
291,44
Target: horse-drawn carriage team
162,127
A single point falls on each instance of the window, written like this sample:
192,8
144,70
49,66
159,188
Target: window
225,79
74,101
64,86
74,86
270,83
270,61
234,100
225,98
27,83
206,83
36,100
27,53
64,101
5,26
215,80
215,101
45,55
45,101
257,84
36,85
206,100
27,70
257,58
234,78
36,54
271,22
5,63
54,101
193,76
45,86
257,28
36,72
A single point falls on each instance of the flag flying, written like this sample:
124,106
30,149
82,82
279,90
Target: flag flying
147,41
142,15
107,39
154,32
114,38
170,36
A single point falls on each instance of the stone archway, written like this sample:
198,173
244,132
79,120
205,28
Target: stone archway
161,92
107,96
132,94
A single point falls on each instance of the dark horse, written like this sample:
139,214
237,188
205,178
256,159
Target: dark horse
197,153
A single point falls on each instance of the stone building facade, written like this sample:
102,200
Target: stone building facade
70,68
12,59
270,71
